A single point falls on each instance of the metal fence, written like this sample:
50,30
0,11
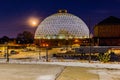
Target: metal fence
63,53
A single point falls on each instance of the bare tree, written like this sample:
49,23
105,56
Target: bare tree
25,38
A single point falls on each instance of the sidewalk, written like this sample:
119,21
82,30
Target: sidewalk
78,73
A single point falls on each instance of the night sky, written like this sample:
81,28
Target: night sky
15,13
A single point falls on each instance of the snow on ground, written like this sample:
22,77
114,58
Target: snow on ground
46,77
81,64
94,65
29,72
104,71
105,74
77,73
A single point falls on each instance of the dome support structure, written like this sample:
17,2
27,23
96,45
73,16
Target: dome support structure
60,28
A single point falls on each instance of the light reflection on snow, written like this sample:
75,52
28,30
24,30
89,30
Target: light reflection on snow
46,77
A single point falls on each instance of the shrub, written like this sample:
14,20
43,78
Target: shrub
104,57
113,56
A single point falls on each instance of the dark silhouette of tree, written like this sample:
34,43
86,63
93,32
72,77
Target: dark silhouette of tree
25,38
4,39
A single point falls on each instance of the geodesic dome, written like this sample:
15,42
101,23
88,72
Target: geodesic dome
62,25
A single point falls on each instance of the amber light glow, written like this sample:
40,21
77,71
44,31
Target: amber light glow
33,21
76,40
45,45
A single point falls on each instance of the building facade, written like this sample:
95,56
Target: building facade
107,32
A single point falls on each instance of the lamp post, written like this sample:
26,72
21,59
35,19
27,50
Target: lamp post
39,49
6,52
46,54
89,43
46,47
89,49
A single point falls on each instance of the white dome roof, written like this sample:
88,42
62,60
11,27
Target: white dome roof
62,26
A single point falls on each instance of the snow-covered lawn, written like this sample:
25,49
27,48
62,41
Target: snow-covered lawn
29,72
78,73
56,71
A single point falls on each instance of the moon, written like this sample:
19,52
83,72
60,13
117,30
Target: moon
33,21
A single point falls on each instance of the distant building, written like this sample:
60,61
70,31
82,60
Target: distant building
107,32
61,28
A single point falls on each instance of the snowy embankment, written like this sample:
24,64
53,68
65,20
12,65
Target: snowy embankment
80,64
93,65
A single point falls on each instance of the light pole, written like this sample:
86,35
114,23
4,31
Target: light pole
46,54
46,46
89,42
6,52
89,49
39,49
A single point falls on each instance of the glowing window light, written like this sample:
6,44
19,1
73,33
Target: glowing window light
61,37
